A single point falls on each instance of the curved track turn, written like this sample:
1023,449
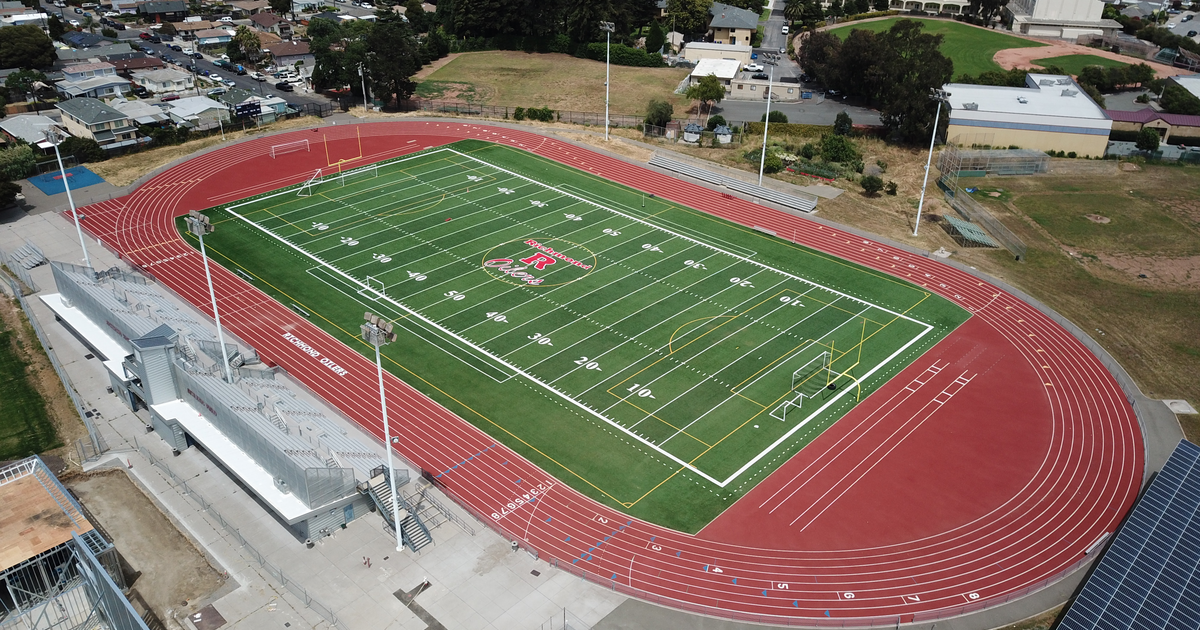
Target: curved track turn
985,469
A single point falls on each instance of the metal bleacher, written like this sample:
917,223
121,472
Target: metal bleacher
804,202
1150,576
971,233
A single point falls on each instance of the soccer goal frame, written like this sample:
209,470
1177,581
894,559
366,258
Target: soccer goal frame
364,172
307,188
809,381
373,288
289,147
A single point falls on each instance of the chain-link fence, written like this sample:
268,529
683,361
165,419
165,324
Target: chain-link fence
506,112
275,572
975,212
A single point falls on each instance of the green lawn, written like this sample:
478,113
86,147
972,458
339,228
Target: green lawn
25,429
1074,64
970,48
653,357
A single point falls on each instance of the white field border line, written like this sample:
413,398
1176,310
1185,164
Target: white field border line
567,397
696,241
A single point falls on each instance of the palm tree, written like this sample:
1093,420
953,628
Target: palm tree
247,41
793,10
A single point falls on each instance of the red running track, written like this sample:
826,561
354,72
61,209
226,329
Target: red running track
978,474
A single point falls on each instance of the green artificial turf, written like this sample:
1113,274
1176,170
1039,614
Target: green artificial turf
970,48
651,365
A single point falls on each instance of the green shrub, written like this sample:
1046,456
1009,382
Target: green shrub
519,113
715,121
658,113
773,163
808,151
890,188
623,55
776,117
1071,155
543,114
871,184
835,148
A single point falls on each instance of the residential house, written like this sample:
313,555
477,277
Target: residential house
21,19
213,36
1050,113
695,51
724,69
249,8
126,67
83,39
9,9
92,118
291,54
30,128
188,30
198,112
141,112
159,11
731,25
92,80
70,55
271,23
663,9
267,39
1061,19
162,81
271,107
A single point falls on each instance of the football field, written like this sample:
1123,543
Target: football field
653,357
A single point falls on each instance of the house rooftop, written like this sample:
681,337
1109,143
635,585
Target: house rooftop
91,111
28,127
266,19
723,68
286,49
725,16
1189,82
733,48
1043,95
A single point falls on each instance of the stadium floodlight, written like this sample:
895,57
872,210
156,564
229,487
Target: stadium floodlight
56,136
608,29
378,332
762,160
941,96
199,225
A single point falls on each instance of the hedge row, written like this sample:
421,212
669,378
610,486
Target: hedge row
623,55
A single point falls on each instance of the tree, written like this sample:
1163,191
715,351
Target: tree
23,82
84,150
985,9
1177,100
715,121
811,13
25,46
1139,74
772,163
835,148
655,39
56,27
1147,140
282,7
871,185
689,16
17,162
392,56
658,113
915,67
246,42
416,16
707,89
109,33
881,5
167,28
8,192
836,9
776,116
855,7
793,11
817,55
843,124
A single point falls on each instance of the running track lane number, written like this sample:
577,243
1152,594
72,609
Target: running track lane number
314,353
517,502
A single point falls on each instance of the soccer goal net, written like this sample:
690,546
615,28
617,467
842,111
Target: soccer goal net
374,289
310,186
808,381
359,174
289,147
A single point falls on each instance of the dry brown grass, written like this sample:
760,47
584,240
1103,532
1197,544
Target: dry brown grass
1040,622
560,82
126,169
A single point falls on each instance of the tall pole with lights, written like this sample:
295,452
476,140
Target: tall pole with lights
378,332
940,96
762,160
199,225
608,29
55,137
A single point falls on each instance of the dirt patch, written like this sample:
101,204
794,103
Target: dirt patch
126,169
174,575
1130,167
1010,58
1095,218
41,374
434,66
1165,273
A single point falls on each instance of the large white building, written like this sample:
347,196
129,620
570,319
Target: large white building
1060,19
1051,113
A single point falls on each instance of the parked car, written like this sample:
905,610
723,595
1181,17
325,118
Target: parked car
197,55
1191,33
284,86
140,92
74,23
753,68
119,26
214,76
217,91
79,11
240,69
176,47
225,19
760,75
785,29
167,38
169,97
144,35
112,14
155,39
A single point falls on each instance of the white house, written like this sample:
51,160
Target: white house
94,80
200,112
1051,113
161,81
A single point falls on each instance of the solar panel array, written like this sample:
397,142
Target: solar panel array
1150,576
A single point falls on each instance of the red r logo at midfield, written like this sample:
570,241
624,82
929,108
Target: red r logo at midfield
539,261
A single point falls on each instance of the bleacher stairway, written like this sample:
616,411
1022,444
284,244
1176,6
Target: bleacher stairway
413,532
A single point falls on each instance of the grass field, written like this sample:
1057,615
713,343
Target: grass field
560,82
25,428
971,49
650,356
1074,64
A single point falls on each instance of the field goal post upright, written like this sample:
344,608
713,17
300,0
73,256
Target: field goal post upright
306,189
289,147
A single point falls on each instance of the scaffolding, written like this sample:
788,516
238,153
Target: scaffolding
978,159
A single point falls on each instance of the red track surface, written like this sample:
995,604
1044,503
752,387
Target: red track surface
979,473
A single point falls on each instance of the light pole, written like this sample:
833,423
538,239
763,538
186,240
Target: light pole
364,86
198,224
52,134
940,96
762,161
608,29
378,332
